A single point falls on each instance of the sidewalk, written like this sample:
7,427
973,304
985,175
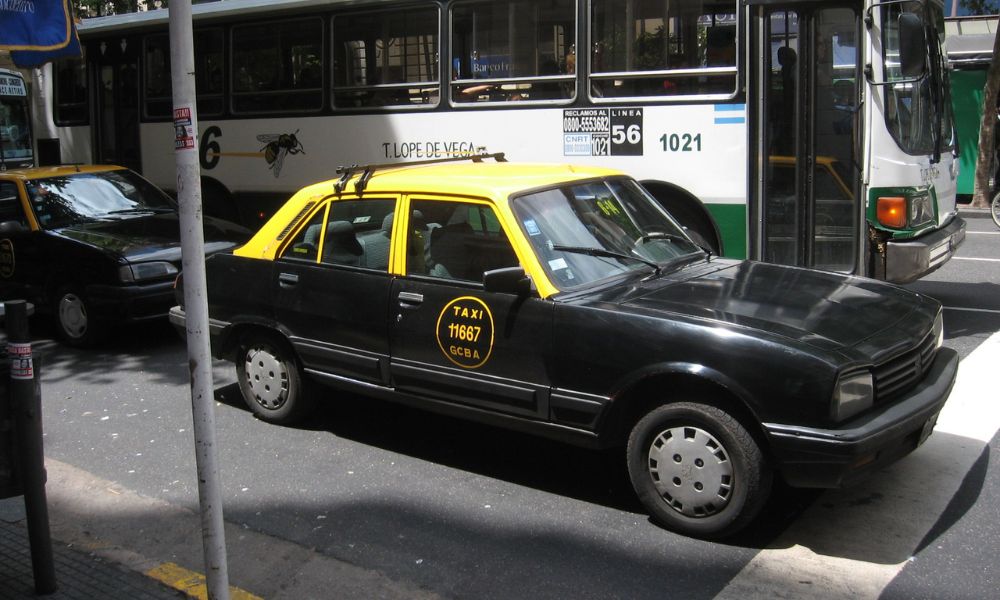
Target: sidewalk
80,575
110,542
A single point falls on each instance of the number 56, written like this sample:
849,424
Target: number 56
620,134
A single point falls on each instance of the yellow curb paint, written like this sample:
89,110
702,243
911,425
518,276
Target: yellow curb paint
191,583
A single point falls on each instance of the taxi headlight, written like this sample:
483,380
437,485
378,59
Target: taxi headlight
853,394
147,270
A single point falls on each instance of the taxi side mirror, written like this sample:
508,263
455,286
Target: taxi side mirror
509,280
12,227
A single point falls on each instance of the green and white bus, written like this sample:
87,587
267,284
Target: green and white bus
814,133
16,148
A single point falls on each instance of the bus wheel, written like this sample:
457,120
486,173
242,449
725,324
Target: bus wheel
697,222
75,323
697,470
218,202
269,379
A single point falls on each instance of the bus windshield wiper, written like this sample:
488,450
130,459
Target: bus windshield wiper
601,252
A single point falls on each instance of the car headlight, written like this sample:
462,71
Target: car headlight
853,394
136,272
939,329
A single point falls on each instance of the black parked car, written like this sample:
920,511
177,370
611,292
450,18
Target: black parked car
563,301
93,246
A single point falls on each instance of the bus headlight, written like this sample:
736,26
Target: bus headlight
921,210
854,393
137,272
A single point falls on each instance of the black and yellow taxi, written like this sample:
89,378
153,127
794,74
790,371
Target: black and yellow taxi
93,246
563,301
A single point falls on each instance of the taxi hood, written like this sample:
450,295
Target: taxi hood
151,237
826,310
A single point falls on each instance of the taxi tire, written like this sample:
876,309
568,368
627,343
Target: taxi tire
707,432
74,321
270,380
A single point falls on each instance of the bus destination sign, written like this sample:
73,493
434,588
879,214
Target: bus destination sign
602,132
12,86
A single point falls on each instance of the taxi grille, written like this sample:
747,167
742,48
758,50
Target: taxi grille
899,374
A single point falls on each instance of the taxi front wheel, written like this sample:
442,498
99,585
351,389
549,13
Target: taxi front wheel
269,379
697,470
75,323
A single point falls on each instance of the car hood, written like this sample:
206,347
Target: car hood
152,237
826,310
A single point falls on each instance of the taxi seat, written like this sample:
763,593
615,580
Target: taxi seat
376,246
340,246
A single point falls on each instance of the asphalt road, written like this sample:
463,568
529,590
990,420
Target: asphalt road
460,510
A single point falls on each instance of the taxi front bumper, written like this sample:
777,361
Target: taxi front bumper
831,458
131,302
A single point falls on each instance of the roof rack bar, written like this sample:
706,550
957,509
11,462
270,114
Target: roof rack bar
368,170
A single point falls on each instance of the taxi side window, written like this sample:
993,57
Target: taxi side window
10,204
356,233
454,240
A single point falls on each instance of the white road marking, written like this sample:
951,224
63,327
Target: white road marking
851,543
977,259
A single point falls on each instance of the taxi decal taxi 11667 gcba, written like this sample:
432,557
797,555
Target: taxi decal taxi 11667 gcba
563,301
93,246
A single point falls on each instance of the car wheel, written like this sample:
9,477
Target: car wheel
75,322
697,470
270,380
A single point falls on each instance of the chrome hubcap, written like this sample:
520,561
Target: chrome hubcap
691,471
267,377
73,315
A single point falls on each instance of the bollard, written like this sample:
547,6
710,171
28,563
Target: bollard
26,409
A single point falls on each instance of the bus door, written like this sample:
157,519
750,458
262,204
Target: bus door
116,69
806,149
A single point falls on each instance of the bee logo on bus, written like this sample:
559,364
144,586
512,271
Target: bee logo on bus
277,146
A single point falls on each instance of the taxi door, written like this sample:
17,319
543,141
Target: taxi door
450,339
331,289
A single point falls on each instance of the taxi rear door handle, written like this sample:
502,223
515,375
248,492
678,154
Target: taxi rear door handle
288,279
410,299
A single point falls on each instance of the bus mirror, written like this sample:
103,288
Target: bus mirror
912,46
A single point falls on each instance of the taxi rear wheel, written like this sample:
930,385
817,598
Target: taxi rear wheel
697,470
75,322
270,380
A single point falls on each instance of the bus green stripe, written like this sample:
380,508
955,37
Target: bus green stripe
732,222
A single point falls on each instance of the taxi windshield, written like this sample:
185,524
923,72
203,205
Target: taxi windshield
587,232
81,197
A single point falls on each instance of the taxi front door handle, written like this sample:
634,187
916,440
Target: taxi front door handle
410,299
288,279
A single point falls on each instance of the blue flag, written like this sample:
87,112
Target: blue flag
37,31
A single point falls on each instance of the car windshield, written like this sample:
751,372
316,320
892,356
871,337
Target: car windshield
591,231
81,197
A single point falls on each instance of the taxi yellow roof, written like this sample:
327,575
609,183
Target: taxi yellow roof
42,172
487,179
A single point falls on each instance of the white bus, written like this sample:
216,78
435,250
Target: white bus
16,148
813,133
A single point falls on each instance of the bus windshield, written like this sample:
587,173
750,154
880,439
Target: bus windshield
917,113
592,231
15,126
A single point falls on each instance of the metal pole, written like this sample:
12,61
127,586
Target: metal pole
26,405
196,298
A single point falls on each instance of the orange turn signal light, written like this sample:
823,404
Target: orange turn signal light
891,211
